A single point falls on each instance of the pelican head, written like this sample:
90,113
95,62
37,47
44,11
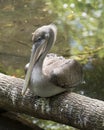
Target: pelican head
43,39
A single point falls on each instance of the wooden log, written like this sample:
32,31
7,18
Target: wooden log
68,108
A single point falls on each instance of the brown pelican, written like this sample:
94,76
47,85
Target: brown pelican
56,74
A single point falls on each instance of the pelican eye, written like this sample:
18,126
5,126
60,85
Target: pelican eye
39,39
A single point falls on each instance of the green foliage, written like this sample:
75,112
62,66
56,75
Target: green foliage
82,23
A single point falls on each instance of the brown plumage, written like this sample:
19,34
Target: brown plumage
63,72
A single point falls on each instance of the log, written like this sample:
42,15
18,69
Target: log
68,108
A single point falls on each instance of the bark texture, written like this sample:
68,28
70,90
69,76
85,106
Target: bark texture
67,108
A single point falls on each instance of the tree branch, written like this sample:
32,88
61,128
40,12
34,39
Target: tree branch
67,108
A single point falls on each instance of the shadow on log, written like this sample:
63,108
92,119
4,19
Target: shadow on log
68,108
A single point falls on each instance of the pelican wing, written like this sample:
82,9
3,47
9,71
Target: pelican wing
62,72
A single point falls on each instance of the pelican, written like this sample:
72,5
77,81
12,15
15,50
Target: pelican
47,74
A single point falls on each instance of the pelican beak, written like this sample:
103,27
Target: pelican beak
37,50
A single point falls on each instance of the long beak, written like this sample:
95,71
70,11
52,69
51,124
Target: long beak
36,52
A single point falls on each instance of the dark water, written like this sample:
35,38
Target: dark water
18,19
